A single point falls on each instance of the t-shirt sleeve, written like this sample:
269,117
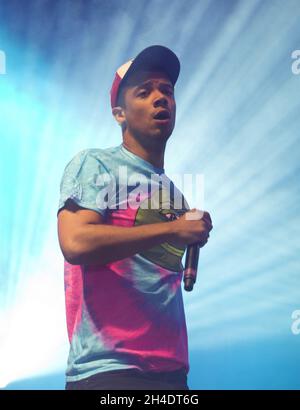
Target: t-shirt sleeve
87,182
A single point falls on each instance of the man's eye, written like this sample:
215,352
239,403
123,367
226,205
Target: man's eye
142,94
169,92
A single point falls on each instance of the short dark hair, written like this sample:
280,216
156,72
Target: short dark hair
121,101
121,95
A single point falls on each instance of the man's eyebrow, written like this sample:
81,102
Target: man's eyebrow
149,83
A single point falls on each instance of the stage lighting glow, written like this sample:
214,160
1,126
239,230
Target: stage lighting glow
34,339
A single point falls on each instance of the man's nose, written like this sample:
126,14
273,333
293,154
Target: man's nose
160,101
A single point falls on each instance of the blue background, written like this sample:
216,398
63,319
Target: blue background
237,124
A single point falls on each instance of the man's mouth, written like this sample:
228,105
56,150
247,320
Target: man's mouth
162,115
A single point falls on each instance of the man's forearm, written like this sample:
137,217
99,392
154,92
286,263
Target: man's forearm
101,244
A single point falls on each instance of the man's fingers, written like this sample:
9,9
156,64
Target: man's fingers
207,217
203,242
197,214
194,214
209,226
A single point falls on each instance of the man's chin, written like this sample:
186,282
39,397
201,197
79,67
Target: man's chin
155,137
162,134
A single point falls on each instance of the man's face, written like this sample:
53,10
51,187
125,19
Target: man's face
149,106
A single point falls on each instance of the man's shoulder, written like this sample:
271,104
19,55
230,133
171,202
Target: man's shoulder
98,154
102,152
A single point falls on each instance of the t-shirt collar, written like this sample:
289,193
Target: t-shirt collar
142,161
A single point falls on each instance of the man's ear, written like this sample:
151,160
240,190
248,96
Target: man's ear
119,114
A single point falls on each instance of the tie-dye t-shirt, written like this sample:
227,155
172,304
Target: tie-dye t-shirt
128,313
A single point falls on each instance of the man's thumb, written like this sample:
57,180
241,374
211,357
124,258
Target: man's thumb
194,214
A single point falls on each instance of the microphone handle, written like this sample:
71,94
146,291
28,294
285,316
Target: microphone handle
191,266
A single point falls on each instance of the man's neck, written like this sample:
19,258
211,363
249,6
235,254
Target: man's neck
154,155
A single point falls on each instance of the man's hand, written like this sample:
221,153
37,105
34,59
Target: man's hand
192,227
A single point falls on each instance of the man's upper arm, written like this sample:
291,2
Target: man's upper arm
83,190
70,218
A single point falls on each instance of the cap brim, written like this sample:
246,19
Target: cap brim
155,58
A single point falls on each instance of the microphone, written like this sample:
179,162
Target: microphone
191,266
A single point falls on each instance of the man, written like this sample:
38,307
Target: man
123,245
